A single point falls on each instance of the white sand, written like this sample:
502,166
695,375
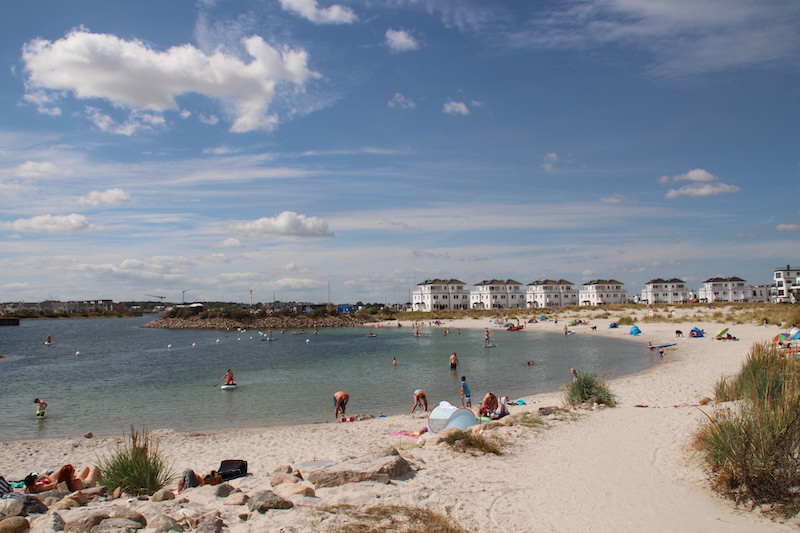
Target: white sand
622,469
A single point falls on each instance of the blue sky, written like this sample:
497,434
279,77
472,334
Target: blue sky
288,146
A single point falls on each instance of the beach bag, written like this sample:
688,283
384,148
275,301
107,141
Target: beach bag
232,468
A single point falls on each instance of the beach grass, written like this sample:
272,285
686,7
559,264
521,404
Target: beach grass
398,518
137,466
464,441
587,386
750,448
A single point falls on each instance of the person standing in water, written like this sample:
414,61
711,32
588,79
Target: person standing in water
453,361
487,338
40,407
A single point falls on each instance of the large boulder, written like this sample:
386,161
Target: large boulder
237,498
48,523
14,524
11,506
162,495
375,467
126,512
86,523
117,525
265,500
163,524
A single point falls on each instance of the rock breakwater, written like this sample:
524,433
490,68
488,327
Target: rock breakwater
270,322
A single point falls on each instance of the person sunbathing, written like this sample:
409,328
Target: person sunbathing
88,476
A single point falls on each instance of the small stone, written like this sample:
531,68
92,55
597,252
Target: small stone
265,500
223,490
47,523
162,495
11,506
549,410
128,513
237,498
117,525
279,478
85,524
89,435
293,489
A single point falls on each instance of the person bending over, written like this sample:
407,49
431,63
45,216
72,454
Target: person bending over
420,400
340,400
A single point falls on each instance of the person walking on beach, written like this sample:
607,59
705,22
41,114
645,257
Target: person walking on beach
40,407
454,361
340,400
420,400
465,394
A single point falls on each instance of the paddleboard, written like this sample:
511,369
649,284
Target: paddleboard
269,339
228,387
663,345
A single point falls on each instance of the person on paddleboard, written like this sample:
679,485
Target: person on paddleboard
228,377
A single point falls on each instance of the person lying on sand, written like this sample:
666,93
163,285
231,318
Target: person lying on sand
88,476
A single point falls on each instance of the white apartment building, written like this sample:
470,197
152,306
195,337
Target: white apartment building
786,285
551,293
497,294
666,291
433,294
602,292
719,289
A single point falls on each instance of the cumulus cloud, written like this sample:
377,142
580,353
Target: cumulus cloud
131,75
107,197
788,227
703,184
400,41
230,242
287,224
402,102
309,10
161,267
455,108
51,224
613,199
34,170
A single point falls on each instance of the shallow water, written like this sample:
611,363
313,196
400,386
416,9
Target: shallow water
127,375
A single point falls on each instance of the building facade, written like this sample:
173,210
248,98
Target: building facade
786,285
666,291
718,289
435,294
497,294
602,292
551,293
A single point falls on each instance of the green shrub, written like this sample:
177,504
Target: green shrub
625,321
137,466
587,386
398,518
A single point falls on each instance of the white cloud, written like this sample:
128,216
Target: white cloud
33,170
402,102
130,74
230,242
788,227
683,36
287,224
400,41
309,10
550,161
43,102
298,284
455,108
50,224
703,184
613,199
109,196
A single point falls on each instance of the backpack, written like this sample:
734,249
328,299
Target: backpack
232,468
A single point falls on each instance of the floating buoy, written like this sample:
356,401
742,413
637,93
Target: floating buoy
217,341
194,344
77,353
308,340
169,346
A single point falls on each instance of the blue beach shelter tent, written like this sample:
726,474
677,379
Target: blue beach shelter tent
696,332
635,330
613,325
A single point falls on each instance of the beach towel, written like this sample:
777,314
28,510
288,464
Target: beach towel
5,488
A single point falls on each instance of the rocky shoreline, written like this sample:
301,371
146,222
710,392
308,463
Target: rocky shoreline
273,322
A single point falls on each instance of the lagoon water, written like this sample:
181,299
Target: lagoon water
127,375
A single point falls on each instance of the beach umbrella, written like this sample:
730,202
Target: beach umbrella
780,337
794,331
721,332
796,336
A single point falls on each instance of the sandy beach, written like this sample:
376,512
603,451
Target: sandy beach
628,468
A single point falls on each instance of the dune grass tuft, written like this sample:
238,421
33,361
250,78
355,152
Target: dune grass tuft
397,518
752,449
587,386
466,440
137,466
